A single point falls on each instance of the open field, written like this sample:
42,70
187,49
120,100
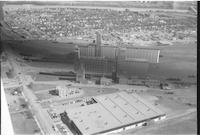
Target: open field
40,87
188,95
178,100
24,123
175,106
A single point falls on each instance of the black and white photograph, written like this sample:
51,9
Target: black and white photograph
98,67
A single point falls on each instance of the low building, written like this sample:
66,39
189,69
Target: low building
62,91
67,92
105,81
112,113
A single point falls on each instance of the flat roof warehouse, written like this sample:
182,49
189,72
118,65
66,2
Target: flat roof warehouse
113,112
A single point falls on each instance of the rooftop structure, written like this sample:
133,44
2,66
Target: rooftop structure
113,113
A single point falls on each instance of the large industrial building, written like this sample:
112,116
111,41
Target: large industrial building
96,50
111,113
112,52
100,60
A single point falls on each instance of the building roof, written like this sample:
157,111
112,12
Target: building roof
112,111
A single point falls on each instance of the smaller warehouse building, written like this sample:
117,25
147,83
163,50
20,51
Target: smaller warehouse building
111,113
